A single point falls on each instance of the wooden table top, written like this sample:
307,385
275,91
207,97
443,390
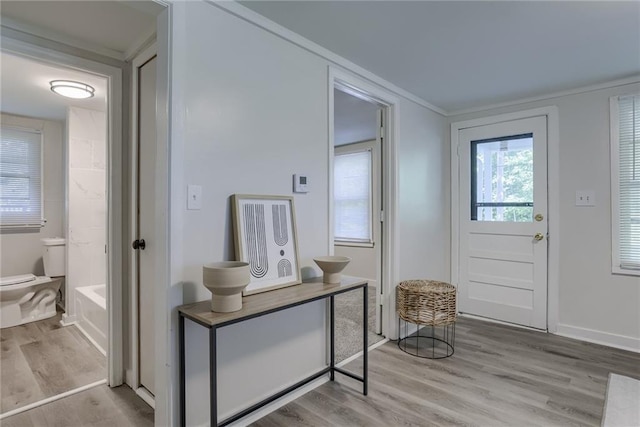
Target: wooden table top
268,302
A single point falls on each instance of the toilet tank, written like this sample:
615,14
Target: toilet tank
53,256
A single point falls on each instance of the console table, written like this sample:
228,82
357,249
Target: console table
260,305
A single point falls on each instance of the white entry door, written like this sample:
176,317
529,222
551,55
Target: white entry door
503,221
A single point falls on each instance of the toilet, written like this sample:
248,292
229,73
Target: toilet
27,298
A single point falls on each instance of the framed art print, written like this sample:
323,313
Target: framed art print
265,237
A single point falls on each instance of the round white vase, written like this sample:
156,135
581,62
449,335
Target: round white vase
226,280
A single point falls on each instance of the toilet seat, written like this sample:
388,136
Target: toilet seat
14,280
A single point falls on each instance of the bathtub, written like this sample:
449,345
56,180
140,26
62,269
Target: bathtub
91,309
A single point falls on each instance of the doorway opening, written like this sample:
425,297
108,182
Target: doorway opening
362,120
357,203
65,351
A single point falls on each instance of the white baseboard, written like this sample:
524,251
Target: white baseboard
255,416
145,395
68,320
598,337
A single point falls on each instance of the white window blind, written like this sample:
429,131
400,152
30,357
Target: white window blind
626,183
20,178
352,197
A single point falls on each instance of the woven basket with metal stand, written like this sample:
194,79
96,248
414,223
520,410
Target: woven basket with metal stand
430,306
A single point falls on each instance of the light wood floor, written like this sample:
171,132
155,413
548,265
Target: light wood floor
99,406
43,359
499,375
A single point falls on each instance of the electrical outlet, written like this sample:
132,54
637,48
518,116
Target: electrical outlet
585,198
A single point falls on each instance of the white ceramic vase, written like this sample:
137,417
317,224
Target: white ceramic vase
332,267
226,280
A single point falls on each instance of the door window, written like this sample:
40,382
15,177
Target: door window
502,179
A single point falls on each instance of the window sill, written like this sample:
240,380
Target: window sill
625,271
354,244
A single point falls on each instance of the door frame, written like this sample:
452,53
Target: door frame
133,375
553,199
113,74
339,79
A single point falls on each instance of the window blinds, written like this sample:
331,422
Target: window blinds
20,178
352,197
629,182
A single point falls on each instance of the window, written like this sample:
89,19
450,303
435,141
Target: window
352,197
625,183
502,179
20,178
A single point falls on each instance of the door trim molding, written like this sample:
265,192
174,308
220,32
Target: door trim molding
390,231
553,199
113,74
133,374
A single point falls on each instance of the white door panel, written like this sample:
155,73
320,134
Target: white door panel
503,205
146,222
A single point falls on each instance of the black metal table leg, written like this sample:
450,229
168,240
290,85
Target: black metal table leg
332,336
213,380
183,397
365,336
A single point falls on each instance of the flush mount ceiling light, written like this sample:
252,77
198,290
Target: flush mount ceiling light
72,89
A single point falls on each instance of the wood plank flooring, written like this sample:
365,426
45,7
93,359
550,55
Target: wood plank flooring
99,406
498,376
42,359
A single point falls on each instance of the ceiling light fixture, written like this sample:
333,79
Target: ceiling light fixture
72,89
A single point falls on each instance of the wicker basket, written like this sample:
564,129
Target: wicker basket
426,302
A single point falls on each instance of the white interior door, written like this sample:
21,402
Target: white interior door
146,221
503,221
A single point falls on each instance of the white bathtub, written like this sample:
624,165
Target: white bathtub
91,308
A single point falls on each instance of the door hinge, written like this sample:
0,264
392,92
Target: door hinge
381,216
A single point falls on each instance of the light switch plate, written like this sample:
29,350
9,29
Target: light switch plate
585,198
194,197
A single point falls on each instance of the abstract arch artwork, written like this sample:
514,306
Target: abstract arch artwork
265,237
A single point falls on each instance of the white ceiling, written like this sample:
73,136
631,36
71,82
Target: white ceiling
108,27
26,90
113,28
459,55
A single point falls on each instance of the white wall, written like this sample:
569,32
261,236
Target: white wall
249,109
22,250
87,203
593,303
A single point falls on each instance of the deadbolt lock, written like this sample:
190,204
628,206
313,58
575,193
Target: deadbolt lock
538,236
539,217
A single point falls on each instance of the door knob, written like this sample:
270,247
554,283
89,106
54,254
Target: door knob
538,236
139,244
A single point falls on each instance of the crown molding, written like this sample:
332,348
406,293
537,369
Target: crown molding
552,95
33,30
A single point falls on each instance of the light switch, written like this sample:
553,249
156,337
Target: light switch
194,197
585,198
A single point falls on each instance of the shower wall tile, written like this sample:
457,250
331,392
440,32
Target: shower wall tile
99,155
86,184
87,203
80,153
88,124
